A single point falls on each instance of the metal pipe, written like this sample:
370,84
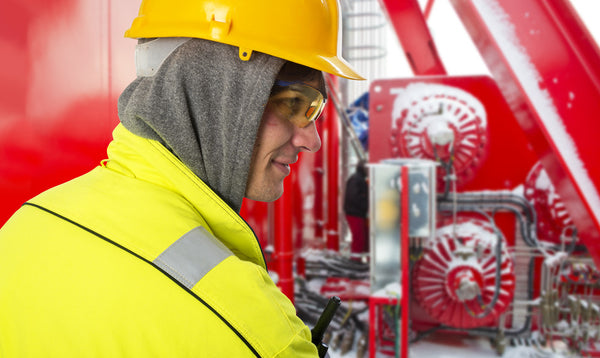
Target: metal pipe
506,201
490,306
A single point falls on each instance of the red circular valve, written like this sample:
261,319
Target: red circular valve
455,280
438,122
552,216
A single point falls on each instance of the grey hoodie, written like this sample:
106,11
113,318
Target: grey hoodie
205,105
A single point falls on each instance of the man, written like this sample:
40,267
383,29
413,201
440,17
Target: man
146,255
356,208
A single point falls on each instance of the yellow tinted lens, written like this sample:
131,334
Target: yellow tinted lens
300,104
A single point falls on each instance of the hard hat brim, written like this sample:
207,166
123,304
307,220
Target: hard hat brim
337,66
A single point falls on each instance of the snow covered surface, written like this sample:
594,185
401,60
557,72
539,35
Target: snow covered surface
392,290
449,346
427,97
504,34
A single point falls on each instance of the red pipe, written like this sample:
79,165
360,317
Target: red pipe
283,245
404,262
372,325
332,147
319,189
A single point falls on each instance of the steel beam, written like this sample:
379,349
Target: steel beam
414,36
547,66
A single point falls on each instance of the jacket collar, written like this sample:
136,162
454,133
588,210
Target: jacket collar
150,161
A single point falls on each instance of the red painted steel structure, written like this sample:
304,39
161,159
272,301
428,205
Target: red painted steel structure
64,63
375,303
548,68
548,73
412,31
506,141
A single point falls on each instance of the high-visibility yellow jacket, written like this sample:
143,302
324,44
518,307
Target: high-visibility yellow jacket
124,262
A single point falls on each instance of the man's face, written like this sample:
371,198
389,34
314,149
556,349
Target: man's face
278,143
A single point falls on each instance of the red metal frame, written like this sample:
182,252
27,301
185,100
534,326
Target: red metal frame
548,68
374,303
405,245
499,170
414,36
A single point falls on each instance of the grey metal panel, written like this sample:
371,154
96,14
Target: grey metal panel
385,189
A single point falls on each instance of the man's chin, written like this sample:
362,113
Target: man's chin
273,197
266,196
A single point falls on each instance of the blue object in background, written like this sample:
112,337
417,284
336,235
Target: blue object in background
358,113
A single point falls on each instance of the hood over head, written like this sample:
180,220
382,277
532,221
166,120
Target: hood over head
205,105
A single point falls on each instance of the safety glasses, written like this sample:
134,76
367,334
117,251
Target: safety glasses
297,102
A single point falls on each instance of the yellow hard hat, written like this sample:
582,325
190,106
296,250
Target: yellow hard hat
307,32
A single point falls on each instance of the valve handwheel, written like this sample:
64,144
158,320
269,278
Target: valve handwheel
438,122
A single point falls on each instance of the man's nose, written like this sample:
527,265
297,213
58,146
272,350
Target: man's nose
307,138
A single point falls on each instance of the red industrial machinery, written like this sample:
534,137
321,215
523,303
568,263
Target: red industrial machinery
515,163
504,243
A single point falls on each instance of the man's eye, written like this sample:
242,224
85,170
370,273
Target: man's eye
290,106
293,103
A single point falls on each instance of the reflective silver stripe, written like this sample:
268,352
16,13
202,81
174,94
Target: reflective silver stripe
191,257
